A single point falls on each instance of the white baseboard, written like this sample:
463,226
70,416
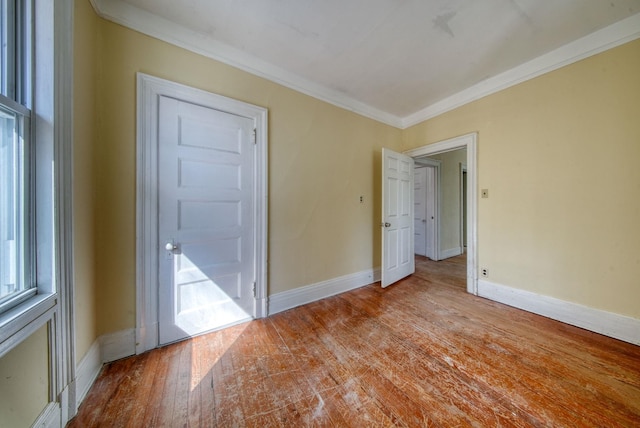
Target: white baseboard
300,296
68,401
146,338
606,323
118,345
106,348
87,371
50,417
451,252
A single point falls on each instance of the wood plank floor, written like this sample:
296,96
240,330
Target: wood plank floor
422,352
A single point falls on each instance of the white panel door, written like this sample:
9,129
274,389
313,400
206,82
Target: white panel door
420,211
206,217
430,212
397,217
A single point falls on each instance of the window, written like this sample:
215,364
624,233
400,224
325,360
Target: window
16,232
36,265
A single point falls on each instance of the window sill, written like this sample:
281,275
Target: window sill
19,322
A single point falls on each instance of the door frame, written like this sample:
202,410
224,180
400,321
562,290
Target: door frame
462,172
422,170
469,142
435,164
149,89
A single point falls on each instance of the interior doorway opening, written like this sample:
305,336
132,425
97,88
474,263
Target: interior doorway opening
426,208
456,230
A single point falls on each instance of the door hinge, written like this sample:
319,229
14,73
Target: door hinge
254,137
254,290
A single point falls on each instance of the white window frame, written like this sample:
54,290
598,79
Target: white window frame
16,101
51,140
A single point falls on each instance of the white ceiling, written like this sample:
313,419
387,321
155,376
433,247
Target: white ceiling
393,60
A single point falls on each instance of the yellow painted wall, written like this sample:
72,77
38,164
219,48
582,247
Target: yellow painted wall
321,159
559,155
556,153
450,210
85,82
24,381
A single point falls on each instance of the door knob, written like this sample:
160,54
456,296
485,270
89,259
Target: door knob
387,224
170,246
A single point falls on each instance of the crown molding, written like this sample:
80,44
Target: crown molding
152,25
604,39
160,28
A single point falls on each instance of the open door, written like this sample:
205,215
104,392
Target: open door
397,217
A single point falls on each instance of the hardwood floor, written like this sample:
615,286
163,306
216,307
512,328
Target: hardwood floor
422,352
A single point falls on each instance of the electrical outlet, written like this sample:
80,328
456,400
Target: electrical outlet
362,199
484,272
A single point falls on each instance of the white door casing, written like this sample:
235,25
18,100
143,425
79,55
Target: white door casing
398,259
150,247
468,141
463,205
206,252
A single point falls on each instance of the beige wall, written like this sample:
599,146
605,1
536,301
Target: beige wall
321,159
556,153
84,185
24,381
559,156
450,210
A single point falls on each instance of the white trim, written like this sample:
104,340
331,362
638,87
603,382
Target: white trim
50,417
63,384
42,314
451,252
146,336
149,88
120,12
607,38
437,165
300,296
462,170
15,324
87,371
160,28
115,346
470,142
599,321
105,349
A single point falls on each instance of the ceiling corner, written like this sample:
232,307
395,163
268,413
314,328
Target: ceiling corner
607,38
123,13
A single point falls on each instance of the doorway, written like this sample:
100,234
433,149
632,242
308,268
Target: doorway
468,142
201,212
426,208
